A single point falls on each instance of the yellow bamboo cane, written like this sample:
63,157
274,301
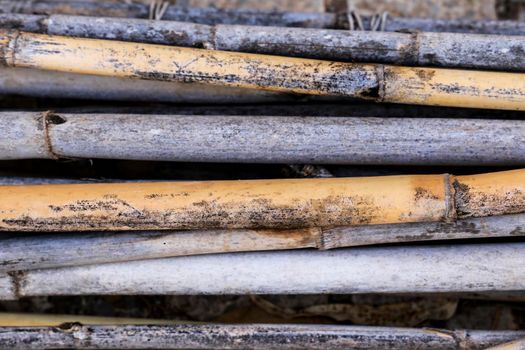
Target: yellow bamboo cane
290,203
54,320
427,86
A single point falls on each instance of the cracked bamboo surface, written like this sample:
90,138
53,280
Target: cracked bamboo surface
294,140
381,83
401,270
213,15
412,49
76,249
288,203
249,337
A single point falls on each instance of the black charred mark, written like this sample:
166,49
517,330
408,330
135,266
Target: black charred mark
372,93
55,119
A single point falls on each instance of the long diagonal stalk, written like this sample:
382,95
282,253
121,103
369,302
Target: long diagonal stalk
289,203
76,249
412,49
382,83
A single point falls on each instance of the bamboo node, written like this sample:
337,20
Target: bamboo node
451,214
8,44
50,118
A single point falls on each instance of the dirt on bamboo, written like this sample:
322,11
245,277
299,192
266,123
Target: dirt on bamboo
287,203
254,337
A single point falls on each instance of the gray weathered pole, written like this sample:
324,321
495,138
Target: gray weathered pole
249,337
48,84
212,15
412,49
322,140
20,252
418,269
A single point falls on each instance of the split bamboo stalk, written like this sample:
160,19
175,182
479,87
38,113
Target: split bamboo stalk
249,337
288,203
295,140
492,52
60,85
212,16
76,249
400,270
375,82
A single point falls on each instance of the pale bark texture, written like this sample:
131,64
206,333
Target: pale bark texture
418,269
245,138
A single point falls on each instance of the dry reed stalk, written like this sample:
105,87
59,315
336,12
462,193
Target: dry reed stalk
492,52
77,249
397,270
245,139
249,337
287,203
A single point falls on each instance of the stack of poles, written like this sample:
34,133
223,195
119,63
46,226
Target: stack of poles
162,237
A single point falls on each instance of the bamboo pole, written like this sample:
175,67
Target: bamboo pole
513,345
400,270
60,85
288,203
213,15
53,320
492,52
249,337
381,83
295,140
76,249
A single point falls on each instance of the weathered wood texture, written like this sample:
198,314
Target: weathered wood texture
24,252
419,269
412,49
60,85
310,140
212,15
381,83
288,203
253,337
